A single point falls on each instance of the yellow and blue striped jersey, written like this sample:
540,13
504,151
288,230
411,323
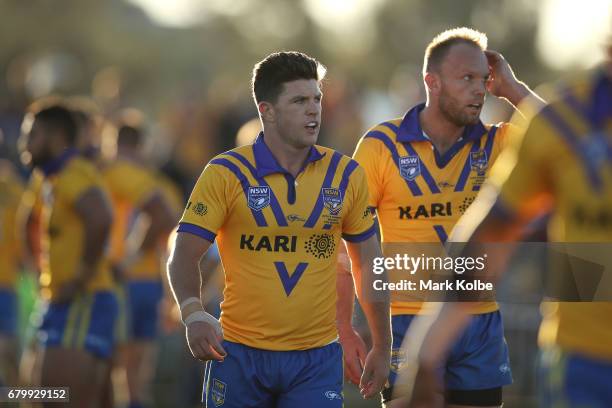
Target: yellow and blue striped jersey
418,193
11,190
67,179
565,158
130,184
278,239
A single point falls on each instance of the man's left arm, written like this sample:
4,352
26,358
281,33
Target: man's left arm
375,306
94,210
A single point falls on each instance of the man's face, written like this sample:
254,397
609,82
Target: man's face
37,144
298,112
463,77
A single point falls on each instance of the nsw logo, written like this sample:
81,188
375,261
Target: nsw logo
410,167
259,197
217,392
332,200
479,162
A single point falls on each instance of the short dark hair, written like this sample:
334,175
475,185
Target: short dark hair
130,127
59,117
129,136
438,47
272,72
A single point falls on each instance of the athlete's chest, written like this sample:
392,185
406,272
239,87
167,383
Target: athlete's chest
281,204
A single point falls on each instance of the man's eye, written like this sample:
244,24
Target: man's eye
467,77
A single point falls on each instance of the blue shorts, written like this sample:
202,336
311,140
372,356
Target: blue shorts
8,317
573,380
478,360
250,377
143,308
87,322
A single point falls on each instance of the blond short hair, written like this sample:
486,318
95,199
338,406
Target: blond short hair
438,47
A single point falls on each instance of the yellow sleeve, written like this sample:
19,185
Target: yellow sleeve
358,223
522,173
130,184
369,154
208,205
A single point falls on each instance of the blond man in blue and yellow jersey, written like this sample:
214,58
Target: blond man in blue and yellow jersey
136,192
563,165
423,171
277,209
11,191
77,325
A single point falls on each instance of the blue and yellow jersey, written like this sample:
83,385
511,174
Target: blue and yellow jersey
130,185
278,239
11,191
31,206
152,264
565,158
419,194
68,178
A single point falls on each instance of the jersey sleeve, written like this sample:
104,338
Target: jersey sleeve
208,205
523,173
368,154
358,223
131,184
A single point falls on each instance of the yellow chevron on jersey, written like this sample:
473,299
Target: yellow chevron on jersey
67,179
566,158
278,240
419,194
11,191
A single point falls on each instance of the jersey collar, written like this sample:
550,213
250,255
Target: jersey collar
59,162
266,163
410,129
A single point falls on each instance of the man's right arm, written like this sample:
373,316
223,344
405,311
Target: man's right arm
203,331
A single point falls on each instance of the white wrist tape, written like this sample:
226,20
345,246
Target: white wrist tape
189,301
202,316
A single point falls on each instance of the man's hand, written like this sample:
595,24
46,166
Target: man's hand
502,82
375,372
355,352
204,341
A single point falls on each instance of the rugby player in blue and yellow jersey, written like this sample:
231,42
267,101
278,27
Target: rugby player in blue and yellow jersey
137,195
77,326
11,191
562,164
277,209
423,170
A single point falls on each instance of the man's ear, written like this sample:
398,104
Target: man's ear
266,111
432,82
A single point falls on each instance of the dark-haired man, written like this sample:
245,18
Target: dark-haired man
136,192
423,170
77,325
277,209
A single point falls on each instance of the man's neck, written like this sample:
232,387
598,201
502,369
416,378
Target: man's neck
288,157
442,133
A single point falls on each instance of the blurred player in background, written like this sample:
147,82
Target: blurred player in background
563,164
423,170
76,283
143,220
11,190
277,209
